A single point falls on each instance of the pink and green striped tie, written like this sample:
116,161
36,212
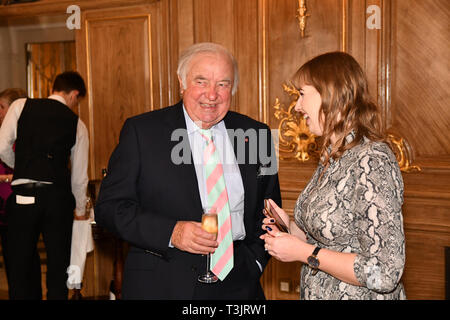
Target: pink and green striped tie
217,197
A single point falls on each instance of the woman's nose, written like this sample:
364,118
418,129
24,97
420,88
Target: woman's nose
298,106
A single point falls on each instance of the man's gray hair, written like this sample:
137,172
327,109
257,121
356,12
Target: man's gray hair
205,47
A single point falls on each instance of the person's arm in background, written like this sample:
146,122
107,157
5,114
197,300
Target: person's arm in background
79,158
8,132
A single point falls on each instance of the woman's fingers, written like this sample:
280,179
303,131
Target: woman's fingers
268,221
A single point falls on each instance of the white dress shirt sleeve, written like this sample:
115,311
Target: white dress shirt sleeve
79,158
8,131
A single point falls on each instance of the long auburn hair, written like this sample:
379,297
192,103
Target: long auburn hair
346,103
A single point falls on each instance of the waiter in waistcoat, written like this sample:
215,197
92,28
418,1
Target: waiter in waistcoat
50,180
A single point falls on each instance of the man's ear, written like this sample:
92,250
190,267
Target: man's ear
181,84
72,98
75,93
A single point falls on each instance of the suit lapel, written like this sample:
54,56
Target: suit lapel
187,181
245,168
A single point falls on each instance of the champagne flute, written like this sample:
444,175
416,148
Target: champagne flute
209,224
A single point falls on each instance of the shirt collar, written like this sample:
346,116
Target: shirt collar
58,98
192,127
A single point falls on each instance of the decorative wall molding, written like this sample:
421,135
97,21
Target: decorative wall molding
402,150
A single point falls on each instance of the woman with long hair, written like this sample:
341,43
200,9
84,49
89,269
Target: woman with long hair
348,226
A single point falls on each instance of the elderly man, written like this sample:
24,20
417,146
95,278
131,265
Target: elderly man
169,166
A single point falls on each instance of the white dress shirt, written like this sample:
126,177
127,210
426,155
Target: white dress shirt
78,155
232,174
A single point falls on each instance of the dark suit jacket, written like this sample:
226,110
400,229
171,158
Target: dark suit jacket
144,194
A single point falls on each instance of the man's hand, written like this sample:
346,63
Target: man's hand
189,236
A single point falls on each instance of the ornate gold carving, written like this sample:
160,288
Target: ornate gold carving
301,16
402,152
295,140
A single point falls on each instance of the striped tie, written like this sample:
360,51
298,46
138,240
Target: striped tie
217,197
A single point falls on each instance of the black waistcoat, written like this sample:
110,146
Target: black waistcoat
46,132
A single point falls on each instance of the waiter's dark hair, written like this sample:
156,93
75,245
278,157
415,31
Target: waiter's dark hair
68,81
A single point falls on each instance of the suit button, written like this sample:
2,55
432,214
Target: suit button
193,268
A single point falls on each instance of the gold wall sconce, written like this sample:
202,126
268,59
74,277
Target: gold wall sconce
301,16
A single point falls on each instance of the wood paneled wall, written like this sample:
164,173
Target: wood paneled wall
121,53
418,109
406,62
421,82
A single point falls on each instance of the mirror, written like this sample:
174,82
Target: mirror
17,35
44,62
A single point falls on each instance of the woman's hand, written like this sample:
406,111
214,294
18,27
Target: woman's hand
293,228
6,178
281,245
283,215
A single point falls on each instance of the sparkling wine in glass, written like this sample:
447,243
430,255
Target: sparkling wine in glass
209,224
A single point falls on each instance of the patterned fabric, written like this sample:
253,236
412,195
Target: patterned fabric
356,208
222,259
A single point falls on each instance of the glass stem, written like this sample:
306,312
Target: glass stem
207,263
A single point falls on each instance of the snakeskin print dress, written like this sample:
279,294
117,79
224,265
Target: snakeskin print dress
356,207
